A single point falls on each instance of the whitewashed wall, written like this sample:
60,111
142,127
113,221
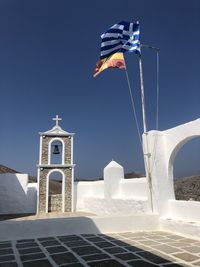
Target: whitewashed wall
163,147
113,195
89,196
16,195
184,210
134,188
84,189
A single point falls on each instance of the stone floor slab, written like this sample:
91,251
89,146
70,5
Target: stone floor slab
196,263
104,244
38,263
175,237
166,248
9,264
149,242
64,258
29,250
134,249
35,256
7,258
179,244
192,249
120,243
141,263
5,245
57,249
115,250
25,240
6,251
95,257
88,250
73,265
142,249
50,243
106,263
152,257
79,243
189,240
127,256
188,257
95,239
172,265
47,238
26,245
69,238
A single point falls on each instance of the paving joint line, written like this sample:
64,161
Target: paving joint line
16,254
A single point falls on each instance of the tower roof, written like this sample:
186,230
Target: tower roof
56,130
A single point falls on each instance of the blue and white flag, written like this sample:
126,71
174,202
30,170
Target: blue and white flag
121,37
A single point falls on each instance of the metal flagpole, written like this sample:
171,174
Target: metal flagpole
145,145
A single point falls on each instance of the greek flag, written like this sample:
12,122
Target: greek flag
121,37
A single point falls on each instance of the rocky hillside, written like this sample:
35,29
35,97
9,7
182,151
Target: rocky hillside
127,176
133,175
187,188
55,186
5,169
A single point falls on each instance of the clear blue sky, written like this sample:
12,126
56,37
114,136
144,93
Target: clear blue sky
48,51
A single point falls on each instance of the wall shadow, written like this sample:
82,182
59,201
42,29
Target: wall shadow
15,195
137,249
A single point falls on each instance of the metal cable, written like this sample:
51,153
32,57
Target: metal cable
157,89
133,106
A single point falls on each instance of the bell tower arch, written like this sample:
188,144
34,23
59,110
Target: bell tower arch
53,143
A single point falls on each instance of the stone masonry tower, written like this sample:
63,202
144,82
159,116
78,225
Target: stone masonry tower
55,138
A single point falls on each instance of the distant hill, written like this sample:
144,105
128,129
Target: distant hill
133,175
185,188
5,169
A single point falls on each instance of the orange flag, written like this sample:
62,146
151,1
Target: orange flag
114,61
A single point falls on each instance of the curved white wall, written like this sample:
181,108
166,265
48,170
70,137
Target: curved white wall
163,147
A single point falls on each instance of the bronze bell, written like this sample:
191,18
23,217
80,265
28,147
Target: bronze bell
56,150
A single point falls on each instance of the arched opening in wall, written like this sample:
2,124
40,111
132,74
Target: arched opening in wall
187,171
55,192
56,152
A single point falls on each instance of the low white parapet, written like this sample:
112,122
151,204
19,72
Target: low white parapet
24,228
133,188
184,210
115,206
113,195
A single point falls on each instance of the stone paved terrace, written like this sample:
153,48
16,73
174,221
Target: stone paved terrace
137,249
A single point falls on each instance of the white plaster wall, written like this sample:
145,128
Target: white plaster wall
131,197
31,194
84,189
185,210
133,188
115,206
183,227
113,174
16,195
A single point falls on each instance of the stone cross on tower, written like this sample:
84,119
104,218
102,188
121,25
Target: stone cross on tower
57,119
